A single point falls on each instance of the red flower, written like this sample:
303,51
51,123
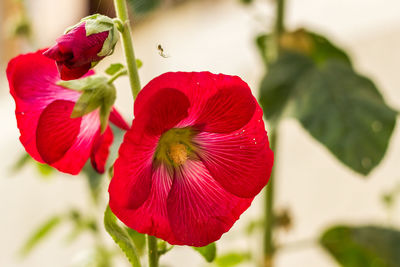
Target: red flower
195,157
75,52
43,111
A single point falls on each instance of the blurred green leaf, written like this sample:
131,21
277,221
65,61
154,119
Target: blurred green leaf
39,234
143,6
313,81
138,239
345,112
366,246
208,252
323,50
246,2
232,259
121,237
264,44
44,169
23,159
277,86
114,68
94,179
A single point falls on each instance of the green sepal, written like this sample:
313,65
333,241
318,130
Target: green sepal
97,92
96,24
208,252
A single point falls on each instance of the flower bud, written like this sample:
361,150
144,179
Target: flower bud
83,46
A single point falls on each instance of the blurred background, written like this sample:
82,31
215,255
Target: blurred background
218,36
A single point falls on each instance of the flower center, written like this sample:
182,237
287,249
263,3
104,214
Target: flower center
178,153
176,146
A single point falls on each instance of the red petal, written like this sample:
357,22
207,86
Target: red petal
218,103
199,209
101,149
151,217
72,73
32,79
240,161
131,183
118,120
196,86
164,110
76,157
56,131
229,109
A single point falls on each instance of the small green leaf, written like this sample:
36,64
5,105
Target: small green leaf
232,259
114,68
121,237
44,169
208,252
39,234
365,246
139,63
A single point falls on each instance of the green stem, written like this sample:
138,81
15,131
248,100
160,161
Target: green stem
116,75
269,246
122,14
152,251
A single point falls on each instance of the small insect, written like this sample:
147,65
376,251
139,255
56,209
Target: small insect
161,51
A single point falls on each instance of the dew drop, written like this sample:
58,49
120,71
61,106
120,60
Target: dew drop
22,113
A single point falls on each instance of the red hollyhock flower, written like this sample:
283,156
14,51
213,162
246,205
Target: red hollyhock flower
195,157
75,52
43,111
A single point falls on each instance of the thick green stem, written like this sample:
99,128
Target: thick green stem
269,247
152,251
122,14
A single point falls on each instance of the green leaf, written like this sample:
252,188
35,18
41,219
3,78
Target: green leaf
365,246
139,63
278,85
264,44
345,112
121,237
39,234
144,6
21,162
323,50
114,68
138,239
232,259
313,81
94,179
208,252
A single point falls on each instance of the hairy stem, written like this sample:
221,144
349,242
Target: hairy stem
122,14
